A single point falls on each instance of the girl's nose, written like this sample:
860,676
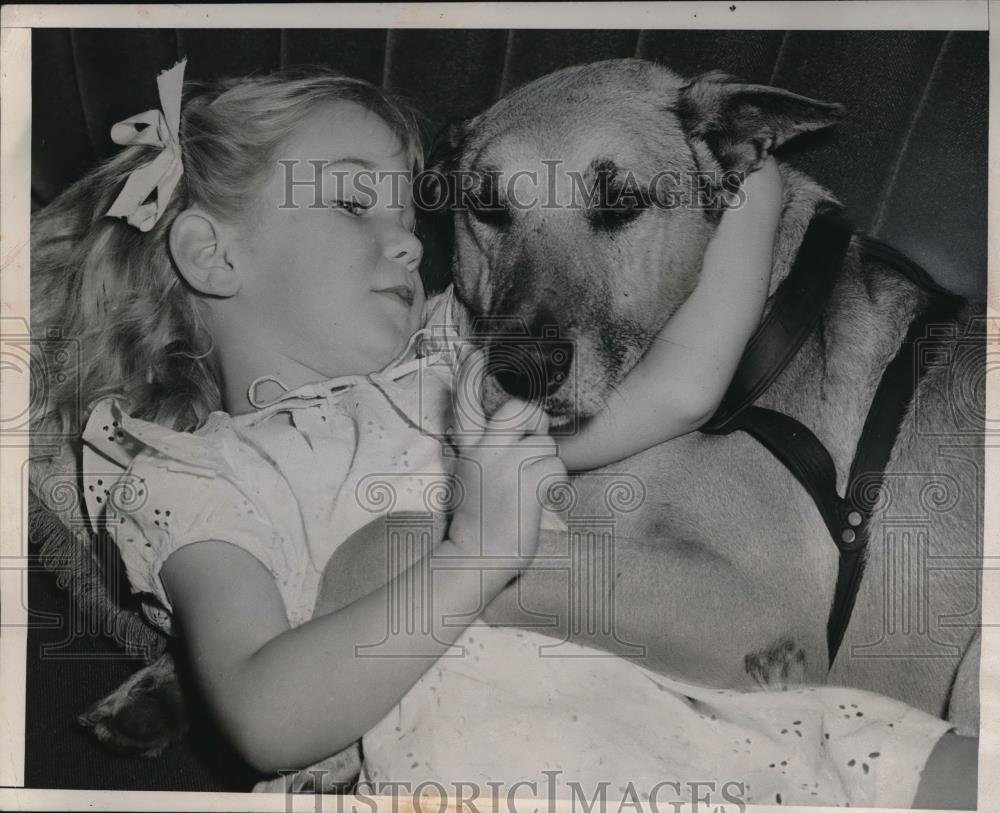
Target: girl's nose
405,248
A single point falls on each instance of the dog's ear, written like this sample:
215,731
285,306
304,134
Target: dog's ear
433,194
742,124
446,146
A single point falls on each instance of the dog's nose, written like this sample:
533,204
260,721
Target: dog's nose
534,364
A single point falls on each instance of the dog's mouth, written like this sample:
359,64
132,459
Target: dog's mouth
563,409
561,418
571,378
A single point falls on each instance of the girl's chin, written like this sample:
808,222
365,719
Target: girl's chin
404,318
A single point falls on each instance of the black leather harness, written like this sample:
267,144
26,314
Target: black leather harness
795,313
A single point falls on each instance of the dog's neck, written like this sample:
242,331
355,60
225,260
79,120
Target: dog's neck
802,199
842,362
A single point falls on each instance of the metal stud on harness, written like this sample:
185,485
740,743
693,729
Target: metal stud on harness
797,306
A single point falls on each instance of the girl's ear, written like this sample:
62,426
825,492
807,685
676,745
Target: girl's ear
200,247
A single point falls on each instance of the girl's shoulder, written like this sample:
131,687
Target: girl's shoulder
220,463
255,459
155,490
121,440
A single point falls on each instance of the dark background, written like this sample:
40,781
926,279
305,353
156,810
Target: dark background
909,163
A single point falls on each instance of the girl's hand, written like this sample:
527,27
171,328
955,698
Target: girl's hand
503,463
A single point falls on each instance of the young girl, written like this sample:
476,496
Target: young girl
230,315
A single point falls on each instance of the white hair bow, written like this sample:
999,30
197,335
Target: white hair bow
157,128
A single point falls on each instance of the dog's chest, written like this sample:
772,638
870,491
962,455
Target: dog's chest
721,493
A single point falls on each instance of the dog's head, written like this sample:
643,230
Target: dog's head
582,205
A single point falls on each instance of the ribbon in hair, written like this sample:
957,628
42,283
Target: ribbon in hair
158,128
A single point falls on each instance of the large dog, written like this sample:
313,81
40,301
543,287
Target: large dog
725,573
721,570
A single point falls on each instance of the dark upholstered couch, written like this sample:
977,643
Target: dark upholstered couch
909,163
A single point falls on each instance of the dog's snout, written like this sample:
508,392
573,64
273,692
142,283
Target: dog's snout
534,362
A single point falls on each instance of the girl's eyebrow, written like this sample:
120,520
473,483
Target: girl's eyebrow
361,162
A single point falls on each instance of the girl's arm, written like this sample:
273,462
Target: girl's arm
287,698
290,697
950,777
680,381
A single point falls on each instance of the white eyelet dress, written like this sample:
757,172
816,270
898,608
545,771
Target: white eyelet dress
500,706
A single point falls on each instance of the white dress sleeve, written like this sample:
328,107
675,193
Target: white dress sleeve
175,491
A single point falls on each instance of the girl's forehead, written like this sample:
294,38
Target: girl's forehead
347,132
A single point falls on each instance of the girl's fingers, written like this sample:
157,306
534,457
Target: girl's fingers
516,418
467,402
546,478
542,428
550,466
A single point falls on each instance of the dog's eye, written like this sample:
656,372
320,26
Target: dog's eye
493,214
488,208
484,201
617,207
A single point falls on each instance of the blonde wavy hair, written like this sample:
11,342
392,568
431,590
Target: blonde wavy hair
114,291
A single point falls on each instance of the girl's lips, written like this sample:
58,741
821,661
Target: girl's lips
401,292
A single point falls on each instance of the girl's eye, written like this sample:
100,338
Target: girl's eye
351,206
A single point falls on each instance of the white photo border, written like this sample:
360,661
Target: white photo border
16,23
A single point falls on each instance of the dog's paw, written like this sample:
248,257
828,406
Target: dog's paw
144,716
778,666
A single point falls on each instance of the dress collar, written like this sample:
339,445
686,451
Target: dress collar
436,343
431,345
